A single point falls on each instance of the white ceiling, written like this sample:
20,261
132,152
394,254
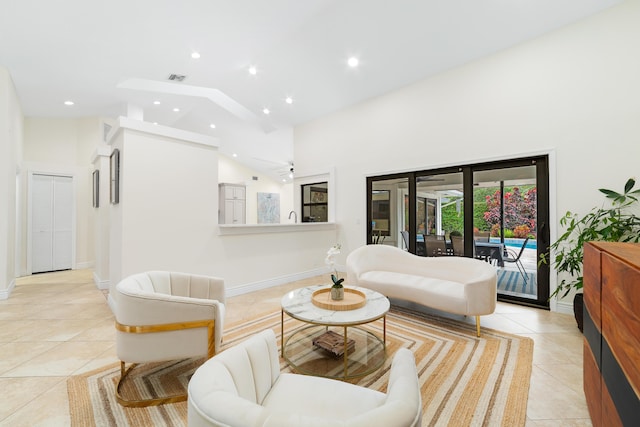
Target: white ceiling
104,55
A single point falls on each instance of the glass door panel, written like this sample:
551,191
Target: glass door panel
505,220
386,211
442,195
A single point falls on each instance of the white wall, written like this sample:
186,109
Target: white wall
230,171
101,217
63,146
10,157
573,93
167,219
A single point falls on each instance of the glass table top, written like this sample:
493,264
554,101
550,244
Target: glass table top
297,304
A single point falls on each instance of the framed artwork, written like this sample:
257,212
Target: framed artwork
115,176
268,208
96,188
318,195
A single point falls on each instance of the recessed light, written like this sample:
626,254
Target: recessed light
176,109
234,155
253,70
288,100
353,62
284,180
69,103
195,55
266,110
156,102
155,123
212,126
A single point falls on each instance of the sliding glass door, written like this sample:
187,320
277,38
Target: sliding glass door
496,212
510,208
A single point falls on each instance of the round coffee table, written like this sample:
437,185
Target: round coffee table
333,345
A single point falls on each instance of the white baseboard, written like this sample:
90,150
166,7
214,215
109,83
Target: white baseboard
265,284
5,293
112,303
100,284
84,265
564,307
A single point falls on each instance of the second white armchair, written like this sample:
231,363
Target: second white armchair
243,387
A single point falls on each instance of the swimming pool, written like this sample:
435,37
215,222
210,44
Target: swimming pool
516,243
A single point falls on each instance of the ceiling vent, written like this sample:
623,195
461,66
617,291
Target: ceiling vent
177,77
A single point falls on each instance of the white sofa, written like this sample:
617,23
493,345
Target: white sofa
243,387
453,284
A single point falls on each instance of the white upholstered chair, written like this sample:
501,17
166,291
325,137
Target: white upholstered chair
243,387
163,315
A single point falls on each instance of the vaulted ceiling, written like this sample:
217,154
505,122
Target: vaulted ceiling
105,55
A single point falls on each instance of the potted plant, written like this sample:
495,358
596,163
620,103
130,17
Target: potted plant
613,223
337,289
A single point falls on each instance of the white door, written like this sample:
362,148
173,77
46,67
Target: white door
51,223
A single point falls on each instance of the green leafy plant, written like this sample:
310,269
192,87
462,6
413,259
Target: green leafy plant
337,283
615,223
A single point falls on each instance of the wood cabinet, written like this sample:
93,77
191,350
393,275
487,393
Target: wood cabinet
612,333
232,205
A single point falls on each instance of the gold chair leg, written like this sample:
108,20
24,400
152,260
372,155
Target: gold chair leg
478,326
144,402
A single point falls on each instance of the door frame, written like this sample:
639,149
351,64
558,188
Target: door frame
28,245
543,215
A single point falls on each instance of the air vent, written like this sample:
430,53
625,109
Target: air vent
177,77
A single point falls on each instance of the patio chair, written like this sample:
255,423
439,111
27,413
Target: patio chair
515,258
457,243
405,239
435,246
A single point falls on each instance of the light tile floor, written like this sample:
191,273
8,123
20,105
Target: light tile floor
58,324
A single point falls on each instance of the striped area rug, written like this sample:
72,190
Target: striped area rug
512,281
465,380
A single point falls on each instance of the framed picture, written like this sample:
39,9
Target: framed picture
318,195
96,188
115,176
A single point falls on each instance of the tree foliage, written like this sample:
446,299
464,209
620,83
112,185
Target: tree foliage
519,210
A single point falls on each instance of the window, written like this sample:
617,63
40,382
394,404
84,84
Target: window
315,202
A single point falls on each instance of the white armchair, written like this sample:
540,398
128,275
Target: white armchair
164,315
243,387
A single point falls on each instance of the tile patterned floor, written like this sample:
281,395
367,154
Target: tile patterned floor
58,324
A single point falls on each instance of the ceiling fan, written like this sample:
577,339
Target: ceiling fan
283,169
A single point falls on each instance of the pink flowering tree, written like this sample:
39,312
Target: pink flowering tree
519,211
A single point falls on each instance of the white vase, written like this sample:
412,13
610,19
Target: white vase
337,294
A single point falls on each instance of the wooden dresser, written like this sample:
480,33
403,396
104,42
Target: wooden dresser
612,333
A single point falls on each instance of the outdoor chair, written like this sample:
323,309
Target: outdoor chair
515,258
435,246
457,243
405,239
